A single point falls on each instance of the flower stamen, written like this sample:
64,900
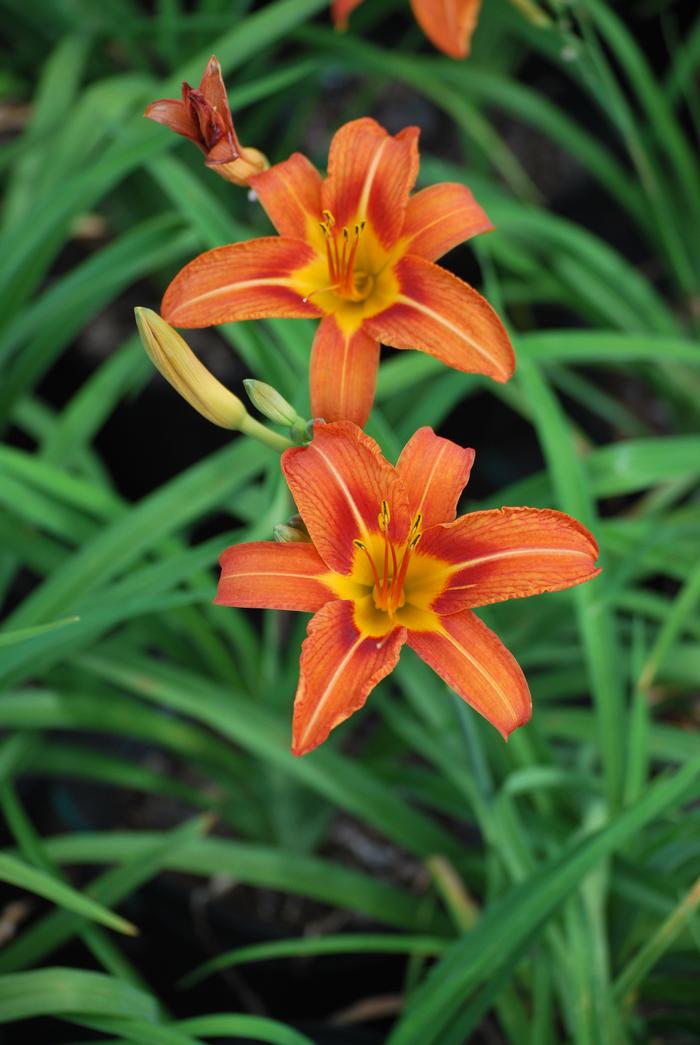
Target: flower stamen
388,587
363,548
341,253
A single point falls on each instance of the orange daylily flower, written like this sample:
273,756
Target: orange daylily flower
449,24
203,115
357,250
388,564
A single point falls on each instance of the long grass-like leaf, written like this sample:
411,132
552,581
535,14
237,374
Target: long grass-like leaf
501,933
350,943
24,876
43,992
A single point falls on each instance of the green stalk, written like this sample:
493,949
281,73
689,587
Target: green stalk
249,426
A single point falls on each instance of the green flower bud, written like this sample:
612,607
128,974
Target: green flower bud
270,403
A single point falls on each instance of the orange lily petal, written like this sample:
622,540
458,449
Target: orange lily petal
268,575
409,137
449,24
338,483
213,88
510,553
341,11
343,373
175,115
290,192
439,314
241,281
370,174
441,217
434,471
339,669
477,666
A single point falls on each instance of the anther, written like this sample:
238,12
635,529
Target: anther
341,254
384,516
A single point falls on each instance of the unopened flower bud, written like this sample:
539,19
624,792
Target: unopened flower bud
203,115
270,403
173,357
298,523
292,532
284,534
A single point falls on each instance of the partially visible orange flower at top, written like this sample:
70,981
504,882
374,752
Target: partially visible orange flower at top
357,250
449,24
203,115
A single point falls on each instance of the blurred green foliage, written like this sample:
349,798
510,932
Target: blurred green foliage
576,906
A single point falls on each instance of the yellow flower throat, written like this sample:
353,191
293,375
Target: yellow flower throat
392,584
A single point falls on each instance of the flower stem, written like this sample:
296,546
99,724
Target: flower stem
249,426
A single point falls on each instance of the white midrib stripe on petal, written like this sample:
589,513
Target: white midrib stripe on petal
430,477
369,179
270,573
333,679
229,288
412,303
343,371
480,668
493,556
343,486
444,217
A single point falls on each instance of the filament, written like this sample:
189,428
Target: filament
340,257
388,586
